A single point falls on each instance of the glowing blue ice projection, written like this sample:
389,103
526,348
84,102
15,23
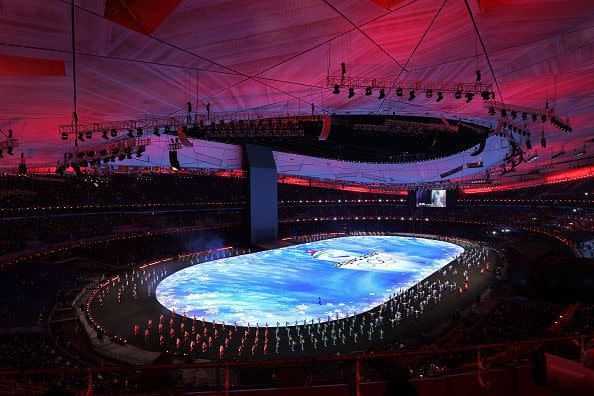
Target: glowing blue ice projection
332,277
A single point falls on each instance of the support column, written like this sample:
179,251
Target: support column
263,194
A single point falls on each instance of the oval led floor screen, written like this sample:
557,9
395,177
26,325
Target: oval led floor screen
313,281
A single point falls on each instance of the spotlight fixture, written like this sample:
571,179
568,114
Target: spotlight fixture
543,118
398,91
114,133
439,97
458,95
503,113
368,91
514,114
64,135
534,117
411,95
9,150
491,110
156,131
130,133
80,137
139,132
429,94
89,135
141,149
351,92
336,89
382,94
524,115
121,157
104,135
469,96
486,95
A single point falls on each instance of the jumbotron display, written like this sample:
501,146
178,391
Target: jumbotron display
317,281
431,198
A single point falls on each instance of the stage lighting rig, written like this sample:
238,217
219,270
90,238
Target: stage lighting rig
336,89
104,135
368,91
429,94
351,92
469,96
439,97
399,92
458,94
411,95
545,114
382,94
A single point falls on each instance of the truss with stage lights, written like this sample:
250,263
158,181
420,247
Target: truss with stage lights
8,146
526,113
224,123
107,152
430,87
401,127
8,143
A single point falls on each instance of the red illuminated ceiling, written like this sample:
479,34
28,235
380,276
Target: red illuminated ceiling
264,55
143,16
24,66
387,3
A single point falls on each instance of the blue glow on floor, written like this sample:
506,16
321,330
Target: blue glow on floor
284,284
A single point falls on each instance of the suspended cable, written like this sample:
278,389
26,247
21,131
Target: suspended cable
73,37
363,33
478,34
412,54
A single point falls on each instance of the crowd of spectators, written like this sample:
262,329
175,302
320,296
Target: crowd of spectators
116,189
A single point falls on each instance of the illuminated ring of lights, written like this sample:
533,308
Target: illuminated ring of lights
377,261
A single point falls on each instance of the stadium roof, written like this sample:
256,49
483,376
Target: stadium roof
147,58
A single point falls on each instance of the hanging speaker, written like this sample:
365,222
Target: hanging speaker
173,160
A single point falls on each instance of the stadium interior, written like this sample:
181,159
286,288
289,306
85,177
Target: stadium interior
305,197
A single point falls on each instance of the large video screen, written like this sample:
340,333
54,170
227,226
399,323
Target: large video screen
431,198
